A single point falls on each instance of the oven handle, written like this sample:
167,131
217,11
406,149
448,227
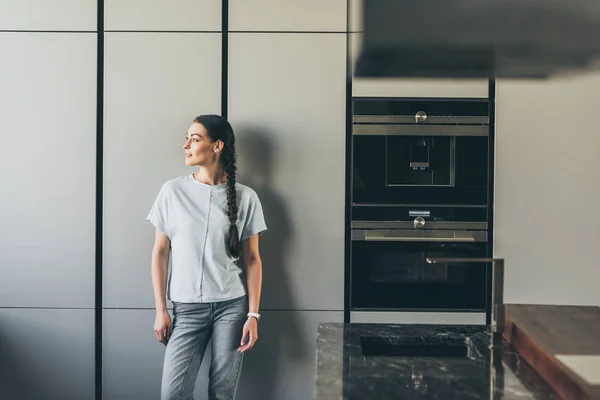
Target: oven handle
417,239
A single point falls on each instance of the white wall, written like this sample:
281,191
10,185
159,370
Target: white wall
547,191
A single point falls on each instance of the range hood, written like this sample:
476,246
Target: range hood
478,38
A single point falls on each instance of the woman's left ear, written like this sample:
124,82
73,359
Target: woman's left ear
219,146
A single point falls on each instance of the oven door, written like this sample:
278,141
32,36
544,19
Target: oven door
390,272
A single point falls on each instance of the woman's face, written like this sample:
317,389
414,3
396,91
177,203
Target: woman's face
199,149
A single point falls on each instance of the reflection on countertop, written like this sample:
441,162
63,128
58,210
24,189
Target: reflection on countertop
381,362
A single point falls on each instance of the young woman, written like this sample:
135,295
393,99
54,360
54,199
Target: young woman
209,226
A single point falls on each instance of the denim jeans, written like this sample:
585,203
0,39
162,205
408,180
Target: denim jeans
193,325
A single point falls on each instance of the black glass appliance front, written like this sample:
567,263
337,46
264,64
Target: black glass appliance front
420,152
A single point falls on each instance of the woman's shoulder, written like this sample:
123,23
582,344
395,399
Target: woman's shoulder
174,184
244,190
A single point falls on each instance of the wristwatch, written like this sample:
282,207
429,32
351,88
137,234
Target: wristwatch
255,315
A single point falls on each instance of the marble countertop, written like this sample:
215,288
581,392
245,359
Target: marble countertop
354,362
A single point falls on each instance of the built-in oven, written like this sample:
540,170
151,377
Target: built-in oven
420,151
390,246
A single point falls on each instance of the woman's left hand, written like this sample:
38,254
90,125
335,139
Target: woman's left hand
249,335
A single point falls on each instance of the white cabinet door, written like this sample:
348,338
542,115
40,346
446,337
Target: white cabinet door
287,104
49,15
47,169
287,15
155,84
162,15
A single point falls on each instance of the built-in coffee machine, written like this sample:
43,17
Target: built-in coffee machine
419,152
420,188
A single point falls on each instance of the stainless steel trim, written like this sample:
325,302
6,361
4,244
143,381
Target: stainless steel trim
497,301
421,130
411,185
498,308
421,205
403,317
410,119
416,239
409,225
419,235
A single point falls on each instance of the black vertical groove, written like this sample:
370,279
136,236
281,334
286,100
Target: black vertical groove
491,173
99,194
348,197
348,185
224,58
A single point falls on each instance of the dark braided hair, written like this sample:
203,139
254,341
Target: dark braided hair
218,128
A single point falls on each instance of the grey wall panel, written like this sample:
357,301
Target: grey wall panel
547,192
289,15
155,84
287,105
48,169
160,15
133,358
49,15
46,354
281,366
283,363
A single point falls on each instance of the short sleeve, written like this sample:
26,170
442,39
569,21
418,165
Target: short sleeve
158,215
255,219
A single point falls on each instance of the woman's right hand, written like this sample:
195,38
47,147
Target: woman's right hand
162,326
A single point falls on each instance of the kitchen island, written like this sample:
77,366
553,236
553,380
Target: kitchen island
381,362
562,344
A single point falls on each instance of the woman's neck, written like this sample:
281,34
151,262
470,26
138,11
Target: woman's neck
211,175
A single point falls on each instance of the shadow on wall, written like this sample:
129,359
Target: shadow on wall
279,341
15,376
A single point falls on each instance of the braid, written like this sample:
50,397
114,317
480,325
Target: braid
232,208
218,128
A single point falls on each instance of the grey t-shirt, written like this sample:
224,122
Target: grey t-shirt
193,215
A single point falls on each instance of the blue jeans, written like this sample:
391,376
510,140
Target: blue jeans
193,325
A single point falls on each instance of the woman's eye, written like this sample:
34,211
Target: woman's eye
194,140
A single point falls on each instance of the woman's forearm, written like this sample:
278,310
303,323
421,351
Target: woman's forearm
254,277
160,265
